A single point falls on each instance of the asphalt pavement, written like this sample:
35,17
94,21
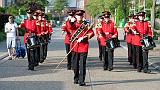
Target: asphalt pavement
15,76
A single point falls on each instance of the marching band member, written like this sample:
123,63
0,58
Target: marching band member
37,49
128,33
66,27
98,38
45,27
142,27
30,30
41,37
107,30
80,51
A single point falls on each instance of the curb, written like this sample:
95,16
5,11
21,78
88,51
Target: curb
156,66
3,56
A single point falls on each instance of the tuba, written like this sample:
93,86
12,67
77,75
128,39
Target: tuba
79,30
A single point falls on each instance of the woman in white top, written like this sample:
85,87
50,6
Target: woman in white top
11,28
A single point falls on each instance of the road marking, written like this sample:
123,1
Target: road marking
90,80
150,63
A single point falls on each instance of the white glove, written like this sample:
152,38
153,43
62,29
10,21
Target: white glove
73,19
134,32
114,36
80,39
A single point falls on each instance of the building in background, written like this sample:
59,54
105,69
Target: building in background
4,3
71,6
81,5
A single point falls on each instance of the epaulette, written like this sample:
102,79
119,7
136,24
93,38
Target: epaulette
46,23
97,25
42,24
37,23
126,25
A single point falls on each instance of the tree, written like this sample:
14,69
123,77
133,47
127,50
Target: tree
20,6
153,16
59,6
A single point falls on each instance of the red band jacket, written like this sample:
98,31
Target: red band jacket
141,27
128,29
83,45
30,27
107,30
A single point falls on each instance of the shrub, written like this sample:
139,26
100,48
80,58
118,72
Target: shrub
2,36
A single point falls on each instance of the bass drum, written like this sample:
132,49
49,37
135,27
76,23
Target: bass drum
147,42
32,41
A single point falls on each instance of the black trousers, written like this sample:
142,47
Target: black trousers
79,66
134,56
145,60
37,55
100,50
108,57
139,57
130,53
69,61
45,49
30,56
41,52
142,58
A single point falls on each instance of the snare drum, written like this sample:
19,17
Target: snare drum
31,41
147,42
112,43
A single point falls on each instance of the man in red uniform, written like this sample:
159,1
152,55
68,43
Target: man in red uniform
107,30
66,27
98,39
30,30
37,49
142,27
128,33
80,51
41,37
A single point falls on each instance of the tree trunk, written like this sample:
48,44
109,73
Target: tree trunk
153,16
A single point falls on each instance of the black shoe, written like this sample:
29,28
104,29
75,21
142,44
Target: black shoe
41,61
100,58
75,81
82,84
110,69
147,71
31,68
105,68
139,70
68,68
36,64
130,63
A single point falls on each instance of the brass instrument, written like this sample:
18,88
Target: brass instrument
72,47
79,30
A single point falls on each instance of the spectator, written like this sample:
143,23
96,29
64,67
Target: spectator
11,28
